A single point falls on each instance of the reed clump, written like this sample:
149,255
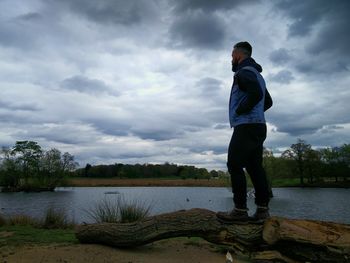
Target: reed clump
118,210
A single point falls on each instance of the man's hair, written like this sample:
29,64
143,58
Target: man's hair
245,47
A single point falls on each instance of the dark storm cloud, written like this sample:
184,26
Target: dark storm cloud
200,24
209,5
157,135
214,100
298,129
197,30
209,86
220,126
109,126
280,56
17,118
301,129
156,127
218,114
330,128
34,32
17,32
59,132
205,148
47,26
307,67
86,85
295,124
112,11
131,154
323,68
283,76
18,106
305,14
311,116
329,20
31,16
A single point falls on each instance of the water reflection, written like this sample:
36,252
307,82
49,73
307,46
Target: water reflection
324,204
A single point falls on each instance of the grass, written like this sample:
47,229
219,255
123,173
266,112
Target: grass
279,182
23,220
118,210
53,219
54,227
285,182
14,235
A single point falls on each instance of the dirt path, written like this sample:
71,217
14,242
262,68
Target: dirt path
164,251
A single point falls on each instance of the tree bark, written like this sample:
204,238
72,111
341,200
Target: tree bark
282,239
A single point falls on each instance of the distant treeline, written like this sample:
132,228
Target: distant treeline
165,170
27,166
309,165
299,161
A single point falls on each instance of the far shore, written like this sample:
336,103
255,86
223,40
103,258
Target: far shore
172,182
94,182
221,182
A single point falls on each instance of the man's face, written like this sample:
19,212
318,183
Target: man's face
235,56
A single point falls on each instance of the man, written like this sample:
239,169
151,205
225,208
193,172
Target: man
249,100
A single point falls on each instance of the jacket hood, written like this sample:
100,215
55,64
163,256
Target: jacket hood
247,62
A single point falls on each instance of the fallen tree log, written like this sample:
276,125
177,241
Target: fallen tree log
286,240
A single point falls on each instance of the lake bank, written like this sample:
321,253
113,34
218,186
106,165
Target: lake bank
134,182
26,244
127,182
222,182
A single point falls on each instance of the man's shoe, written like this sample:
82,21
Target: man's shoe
261,213
235,215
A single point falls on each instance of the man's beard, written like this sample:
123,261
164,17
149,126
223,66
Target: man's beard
234,65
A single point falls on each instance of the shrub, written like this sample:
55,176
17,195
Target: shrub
118,211
9,173
56,218
2,220
133,211
22,220
105,211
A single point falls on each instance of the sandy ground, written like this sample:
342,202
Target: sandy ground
163,251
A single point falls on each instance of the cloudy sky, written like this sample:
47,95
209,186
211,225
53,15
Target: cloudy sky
148,81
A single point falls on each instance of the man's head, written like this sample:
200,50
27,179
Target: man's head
240,51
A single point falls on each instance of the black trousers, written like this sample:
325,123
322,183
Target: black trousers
246,151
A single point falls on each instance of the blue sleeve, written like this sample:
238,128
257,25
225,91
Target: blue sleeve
248,82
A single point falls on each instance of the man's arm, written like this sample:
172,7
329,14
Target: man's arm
268,100
248,82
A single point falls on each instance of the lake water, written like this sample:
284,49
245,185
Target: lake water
327,204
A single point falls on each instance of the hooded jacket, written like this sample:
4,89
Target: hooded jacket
249,98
